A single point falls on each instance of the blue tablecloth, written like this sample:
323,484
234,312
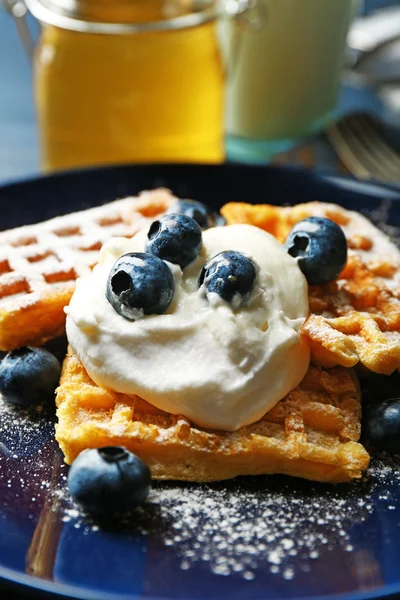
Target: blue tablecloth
18,139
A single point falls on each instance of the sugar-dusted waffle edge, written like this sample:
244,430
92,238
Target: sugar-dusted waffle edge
356,318
40,263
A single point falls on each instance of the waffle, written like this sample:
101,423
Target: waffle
40,263
311,433
355,319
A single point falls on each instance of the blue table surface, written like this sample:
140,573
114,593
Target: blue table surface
18,138
18,135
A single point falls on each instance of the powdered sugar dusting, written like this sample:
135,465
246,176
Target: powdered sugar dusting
236,527
279,524
235,531
275,523
52,254
19,428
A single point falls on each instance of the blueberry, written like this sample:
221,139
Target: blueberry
199,212
321,248
108,481
138,284
176,238
229,274
381,425
29,376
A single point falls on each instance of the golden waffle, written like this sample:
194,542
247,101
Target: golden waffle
311,433
355,319
40,263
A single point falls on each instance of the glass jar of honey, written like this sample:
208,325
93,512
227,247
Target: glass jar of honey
128,81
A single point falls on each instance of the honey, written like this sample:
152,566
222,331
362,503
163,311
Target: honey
154,95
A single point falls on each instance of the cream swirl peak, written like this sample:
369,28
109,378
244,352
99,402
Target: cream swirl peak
220,367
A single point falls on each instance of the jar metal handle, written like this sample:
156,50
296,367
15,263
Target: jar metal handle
19,10
253,13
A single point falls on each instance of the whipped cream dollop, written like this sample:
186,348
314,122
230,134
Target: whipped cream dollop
220,367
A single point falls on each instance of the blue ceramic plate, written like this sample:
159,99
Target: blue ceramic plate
252,538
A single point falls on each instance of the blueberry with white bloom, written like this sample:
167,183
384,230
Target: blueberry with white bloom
29,376
320,246
175,238
231,275
108,481
138,284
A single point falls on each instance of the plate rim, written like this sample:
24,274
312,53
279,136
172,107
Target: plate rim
29,582
330,177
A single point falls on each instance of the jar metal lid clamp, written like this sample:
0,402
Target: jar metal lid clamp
19,10
66,16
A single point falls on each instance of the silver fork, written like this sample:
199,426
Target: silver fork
359,141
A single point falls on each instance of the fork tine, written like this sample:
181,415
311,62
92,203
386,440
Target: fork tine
339,141
359,143
361,150
370,131
363,143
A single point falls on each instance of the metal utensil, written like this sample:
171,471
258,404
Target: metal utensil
371,33
360,142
